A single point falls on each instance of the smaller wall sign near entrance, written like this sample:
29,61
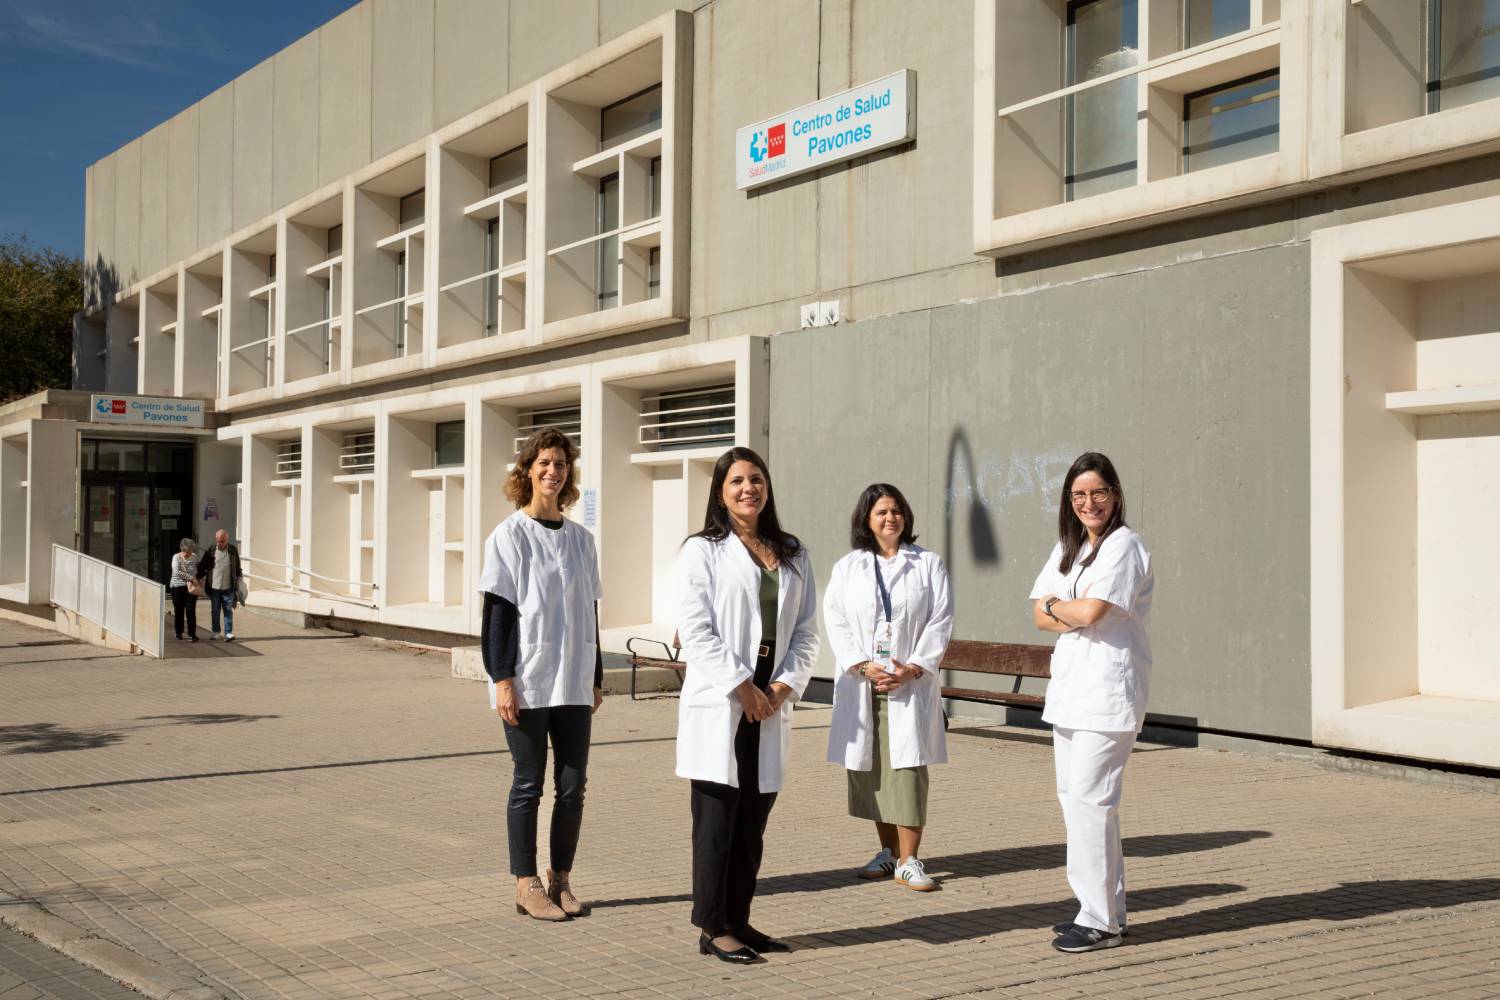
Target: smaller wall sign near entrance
150,411
860,121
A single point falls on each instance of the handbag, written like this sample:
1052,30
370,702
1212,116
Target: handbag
194,586
241,591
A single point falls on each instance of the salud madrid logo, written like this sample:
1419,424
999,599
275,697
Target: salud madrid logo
765,143
110,406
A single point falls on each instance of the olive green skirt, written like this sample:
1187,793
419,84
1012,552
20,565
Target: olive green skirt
885,794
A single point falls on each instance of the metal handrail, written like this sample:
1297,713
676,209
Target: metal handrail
282,584
308,572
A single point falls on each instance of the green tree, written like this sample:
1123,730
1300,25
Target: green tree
40,290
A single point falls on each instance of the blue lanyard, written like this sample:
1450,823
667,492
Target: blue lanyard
885,595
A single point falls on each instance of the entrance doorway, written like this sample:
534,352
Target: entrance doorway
137,503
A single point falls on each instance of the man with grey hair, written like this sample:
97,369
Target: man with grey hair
220,571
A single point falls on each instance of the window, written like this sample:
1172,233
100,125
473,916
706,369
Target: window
653,273
121,456
289,460
607,253
1101,122
688,418
508,169
634,116
400,307
1207,20
568,419
413,208
358,453
448,443
653,188
335,244
1231,122
491,283
1463,52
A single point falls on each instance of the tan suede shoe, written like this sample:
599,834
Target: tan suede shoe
561,893
532,901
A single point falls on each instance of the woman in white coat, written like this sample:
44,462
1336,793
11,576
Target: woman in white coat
889,611
748,626
1095,593
540,644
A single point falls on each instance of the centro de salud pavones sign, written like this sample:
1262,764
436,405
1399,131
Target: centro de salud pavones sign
857,122
152,411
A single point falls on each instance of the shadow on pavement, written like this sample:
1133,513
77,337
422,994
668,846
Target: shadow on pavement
49,737
979,864
1347,901
947,928
205,718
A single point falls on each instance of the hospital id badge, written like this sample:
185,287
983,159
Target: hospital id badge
883,648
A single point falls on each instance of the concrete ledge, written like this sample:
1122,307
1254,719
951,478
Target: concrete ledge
75,626
114,960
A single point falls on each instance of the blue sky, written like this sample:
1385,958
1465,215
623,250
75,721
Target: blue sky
80,78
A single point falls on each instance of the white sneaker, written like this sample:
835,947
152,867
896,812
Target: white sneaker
880,866
229,636
912,875
214,636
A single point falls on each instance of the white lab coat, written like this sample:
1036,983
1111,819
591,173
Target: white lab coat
551,575
719,627
921,625
1101,675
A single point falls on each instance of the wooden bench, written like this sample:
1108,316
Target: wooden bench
671,661
1004,659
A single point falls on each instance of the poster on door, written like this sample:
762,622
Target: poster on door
169,508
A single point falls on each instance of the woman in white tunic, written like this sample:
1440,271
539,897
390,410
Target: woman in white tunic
889,611
540,643
748,625
1095,593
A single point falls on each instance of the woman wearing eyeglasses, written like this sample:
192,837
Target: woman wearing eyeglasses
1095,593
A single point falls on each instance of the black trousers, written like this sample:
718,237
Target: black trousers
186,604
569,727
729,828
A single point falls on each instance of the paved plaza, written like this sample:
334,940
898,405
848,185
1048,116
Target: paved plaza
305,814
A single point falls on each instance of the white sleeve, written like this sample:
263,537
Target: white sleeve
802,650
1117,573
1049,580
932,643
704,650
846,649
502,566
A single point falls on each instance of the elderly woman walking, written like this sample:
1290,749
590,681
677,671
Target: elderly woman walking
182,586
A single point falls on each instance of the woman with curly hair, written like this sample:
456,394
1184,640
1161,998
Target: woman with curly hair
540,643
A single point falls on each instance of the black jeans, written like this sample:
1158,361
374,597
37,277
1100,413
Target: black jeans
184,603
729,829
569,727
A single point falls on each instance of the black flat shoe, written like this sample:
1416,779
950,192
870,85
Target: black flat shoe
740,956
760,942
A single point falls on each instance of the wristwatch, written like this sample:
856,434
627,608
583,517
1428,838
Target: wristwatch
1047,608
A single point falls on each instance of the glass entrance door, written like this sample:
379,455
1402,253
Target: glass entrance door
99,536
135,529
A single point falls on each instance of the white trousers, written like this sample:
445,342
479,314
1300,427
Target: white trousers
1090,769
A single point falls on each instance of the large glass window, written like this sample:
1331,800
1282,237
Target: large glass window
1102,38
634,116
1464,57
1206,20
508,169
1231,122
448,443
607,254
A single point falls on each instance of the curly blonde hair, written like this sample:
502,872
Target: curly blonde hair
518,482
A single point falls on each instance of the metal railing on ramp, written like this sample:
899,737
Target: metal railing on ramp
125,605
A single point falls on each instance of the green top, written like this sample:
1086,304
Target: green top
770,588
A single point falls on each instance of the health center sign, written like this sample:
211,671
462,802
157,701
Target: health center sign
857,122
152,411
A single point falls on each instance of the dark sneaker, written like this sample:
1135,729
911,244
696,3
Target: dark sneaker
1085,939
1068,925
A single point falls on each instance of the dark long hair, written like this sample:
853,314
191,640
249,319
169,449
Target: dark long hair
860,535
1070,530
716,524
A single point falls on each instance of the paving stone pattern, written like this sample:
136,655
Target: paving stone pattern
30,970
310,815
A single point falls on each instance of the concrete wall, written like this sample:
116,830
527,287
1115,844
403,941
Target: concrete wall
315,112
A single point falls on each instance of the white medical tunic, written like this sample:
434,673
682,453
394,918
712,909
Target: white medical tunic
921,625
1101,674
551,575
720,629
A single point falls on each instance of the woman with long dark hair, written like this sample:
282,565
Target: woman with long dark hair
1095,593
540,644
889,612
748,626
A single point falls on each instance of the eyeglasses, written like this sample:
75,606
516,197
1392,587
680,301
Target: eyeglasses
1098,496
